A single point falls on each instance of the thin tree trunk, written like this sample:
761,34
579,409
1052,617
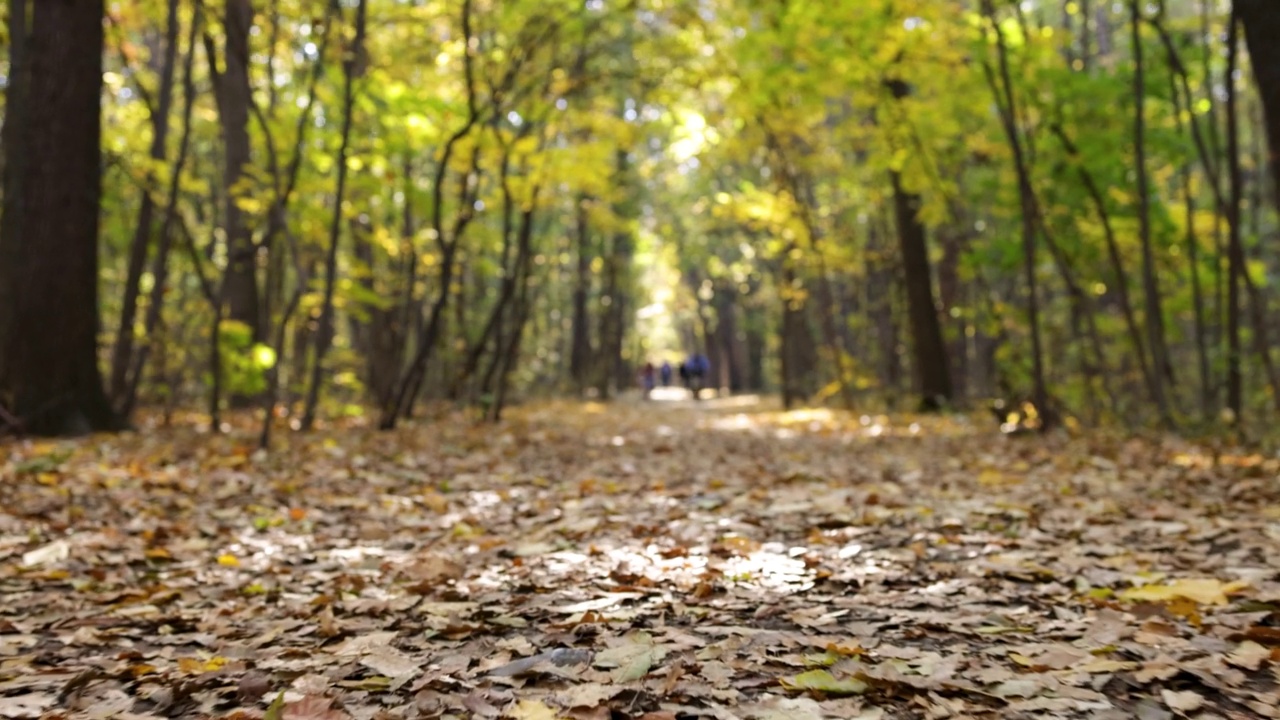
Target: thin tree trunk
1235,248
1197,297
160,263
1160,368
1009,117
580,347
352,66
1120,276
122,352
410,381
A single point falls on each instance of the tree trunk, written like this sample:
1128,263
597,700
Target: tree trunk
1120,279
1197,296
1235,248
930,354
1261,20
951,295
160,263
580,347
1009,119
799,354
49,377
122,352
880,291
1160,369
351,66
233,105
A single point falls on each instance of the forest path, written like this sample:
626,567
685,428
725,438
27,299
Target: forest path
716,559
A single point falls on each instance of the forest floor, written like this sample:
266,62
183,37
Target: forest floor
641,560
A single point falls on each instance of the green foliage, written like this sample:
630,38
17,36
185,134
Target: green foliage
735,154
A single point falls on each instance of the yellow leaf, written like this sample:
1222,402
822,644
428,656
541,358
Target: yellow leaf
1205,591
823,681
228,560
531,710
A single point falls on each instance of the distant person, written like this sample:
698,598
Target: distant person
664,373
699,369
701,365
684,374
647,377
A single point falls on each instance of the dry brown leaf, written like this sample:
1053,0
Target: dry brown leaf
1186,701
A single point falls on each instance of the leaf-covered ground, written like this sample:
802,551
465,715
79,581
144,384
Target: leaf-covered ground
659,560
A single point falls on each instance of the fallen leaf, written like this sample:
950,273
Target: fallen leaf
630,661
1206,591
391,662
529,710
29,705
56,551
1184,702
588,695
824,681
1249,655
785,708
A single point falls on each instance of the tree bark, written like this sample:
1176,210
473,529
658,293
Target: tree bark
580,346
1261,20
234,97
49,376
1235,248
930,353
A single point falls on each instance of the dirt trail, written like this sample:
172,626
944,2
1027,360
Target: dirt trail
719,559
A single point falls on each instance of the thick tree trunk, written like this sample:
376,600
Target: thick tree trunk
930,354
49,377
233,103
1261,19
799,352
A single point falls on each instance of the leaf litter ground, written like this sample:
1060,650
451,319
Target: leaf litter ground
657,560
